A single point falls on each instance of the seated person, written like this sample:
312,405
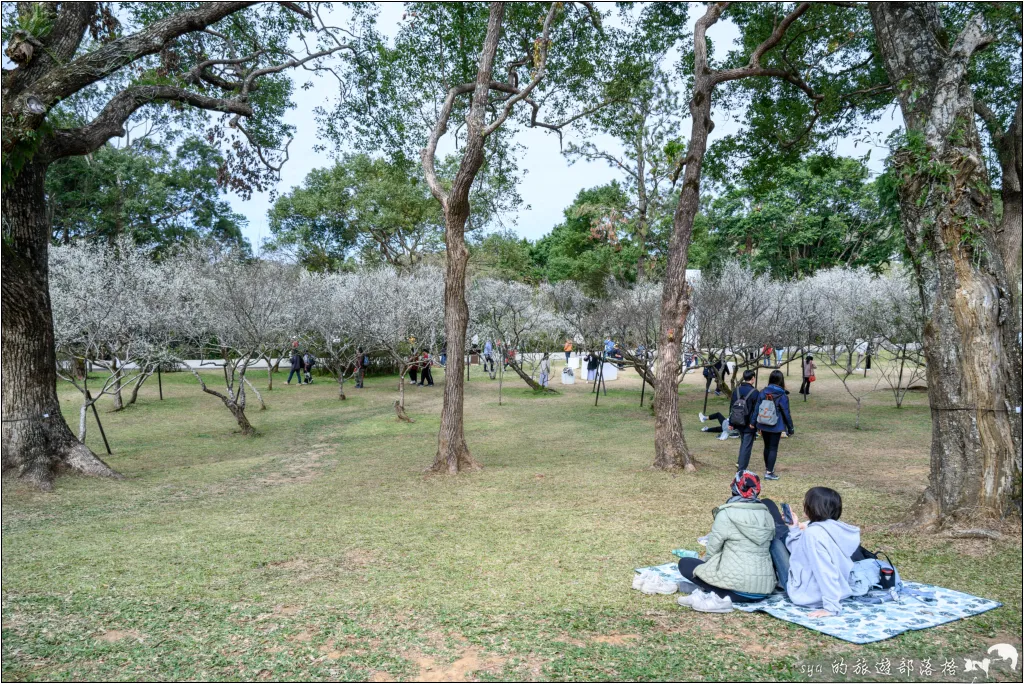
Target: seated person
737,566
724,426
819,554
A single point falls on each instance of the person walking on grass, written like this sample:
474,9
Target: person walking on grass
361,361
711,372
742,407
426,377
488,356
545,370
772,420
414,363
296,367
567,348
808,373
308,361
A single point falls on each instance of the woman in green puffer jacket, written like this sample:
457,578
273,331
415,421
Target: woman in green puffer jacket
737,564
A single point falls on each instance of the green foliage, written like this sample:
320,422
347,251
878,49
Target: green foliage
378,210
587,247
158,197
819,212
505,255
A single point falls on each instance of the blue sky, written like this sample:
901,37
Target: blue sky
550,182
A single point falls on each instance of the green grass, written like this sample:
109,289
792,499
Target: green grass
322,550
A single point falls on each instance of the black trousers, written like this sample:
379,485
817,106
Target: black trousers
771,449
686,568
746,448
426,377
721,422
805,386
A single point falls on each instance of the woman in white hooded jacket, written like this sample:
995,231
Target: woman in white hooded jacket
819,561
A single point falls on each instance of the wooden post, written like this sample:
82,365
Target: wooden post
96,414
159,382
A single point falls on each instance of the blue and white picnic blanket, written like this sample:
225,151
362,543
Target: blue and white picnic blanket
864,623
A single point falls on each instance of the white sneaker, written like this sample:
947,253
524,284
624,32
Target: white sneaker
702,417
724,436
711,602
639,578
688,599
704,429
656,584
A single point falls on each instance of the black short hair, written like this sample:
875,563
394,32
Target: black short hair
749,375
822,503
777,378
810,358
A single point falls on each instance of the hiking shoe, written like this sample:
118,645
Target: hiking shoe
640,578
711,602
656,584
688,599
702,417
771,476
724,436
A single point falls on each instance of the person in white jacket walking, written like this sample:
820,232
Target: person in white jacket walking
819,554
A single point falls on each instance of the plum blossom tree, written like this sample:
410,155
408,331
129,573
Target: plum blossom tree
231,308
514,314
400,313
83,73
104,303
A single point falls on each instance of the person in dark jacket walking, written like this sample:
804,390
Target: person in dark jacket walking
711,372
296,367
308,361
361,361
426,377
744,402
772,422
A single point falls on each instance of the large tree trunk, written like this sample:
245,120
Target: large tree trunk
670,450
971,336
452,453
36,441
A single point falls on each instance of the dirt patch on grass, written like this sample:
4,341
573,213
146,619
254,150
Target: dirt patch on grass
113,635
299,468
287,610
358,558
468,662
616,639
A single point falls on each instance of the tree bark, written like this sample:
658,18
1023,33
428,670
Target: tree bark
670,449
534,385
452,453
971,340
1008,144
36,442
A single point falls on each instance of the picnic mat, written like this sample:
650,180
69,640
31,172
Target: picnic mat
863,623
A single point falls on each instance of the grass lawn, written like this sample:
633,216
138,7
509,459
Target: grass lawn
321,549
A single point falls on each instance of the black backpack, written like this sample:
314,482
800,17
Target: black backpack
739,413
